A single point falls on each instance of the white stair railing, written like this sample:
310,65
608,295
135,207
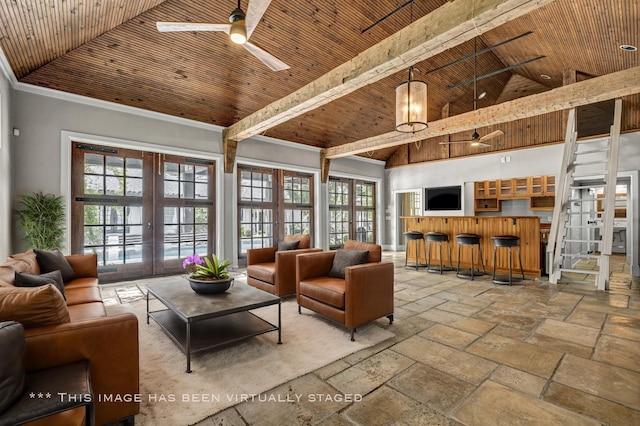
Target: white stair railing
571,215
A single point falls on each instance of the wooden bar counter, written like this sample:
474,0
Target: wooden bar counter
525,227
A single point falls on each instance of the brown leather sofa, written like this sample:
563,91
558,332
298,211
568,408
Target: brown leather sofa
275,271
365,294
85,333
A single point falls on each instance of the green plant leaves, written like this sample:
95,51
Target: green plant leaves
212,268
42,219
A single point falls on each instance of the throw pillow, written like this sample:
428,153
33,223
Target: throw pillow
29,280
54,260
345,258
33,306
12,374
288,245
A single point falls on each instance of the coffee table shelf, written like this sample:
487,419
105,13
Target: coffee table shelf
196,322
213,331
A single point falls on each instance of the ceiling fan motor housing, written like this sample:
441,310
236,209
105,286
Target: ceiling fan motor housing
236,15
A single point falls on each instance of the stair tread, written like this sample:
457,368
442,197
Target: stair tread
591,175
592,151
580,271
585,141
597,185
586,163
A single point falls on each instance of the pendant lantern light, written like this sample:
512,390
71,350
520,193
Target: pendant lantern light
411,105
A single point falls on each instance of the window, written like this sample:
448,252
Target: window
140,212
352,206
271,204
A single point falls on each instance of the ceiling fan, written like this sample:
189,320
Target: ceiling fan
239,29
476,139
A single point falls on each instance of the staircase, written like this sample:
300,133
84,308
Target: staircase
586,165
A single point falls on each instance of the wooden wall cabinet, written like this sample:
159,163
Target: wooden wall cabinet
543,191
542,185
487,205
514,188
540,190
486,189
486,196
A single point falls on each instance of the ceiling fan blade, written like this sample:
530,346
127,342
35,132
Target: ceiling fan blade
166,27
255,10
479,144
452,142
492,135
267,58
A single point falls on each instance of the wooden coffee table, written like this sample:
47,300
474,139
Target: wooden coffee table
196,322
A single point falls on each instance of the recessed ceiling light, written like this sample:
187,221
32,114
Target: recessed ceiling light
628,48
482,95
545,77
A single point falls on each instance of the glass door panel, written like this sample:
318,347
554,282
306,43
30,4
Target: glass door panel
272,204
108,209
184,211
141,213
351,199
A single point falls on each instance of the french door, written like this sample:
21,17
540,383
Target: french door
271,204
140,212
352,210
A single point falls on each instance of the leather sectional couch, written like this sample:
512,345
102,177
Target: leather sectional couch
59,332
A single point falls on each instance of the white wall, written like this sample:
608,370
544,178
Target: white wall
46,118
6,205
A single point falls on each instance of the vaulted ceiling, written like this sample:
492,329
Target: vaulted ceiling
111,50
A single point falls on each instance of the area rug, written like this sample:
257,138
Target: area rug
225,376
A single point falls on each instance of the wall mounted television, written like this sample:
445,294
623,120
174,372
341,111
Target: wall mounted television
443,198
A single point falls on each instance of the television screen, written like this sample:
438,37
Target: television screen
443,198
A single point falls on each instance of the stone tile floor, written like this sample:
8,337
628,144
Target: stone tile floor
473,353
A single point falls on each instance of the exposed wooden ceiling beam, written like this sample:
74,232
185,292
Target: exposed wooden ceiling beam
597,89
448,26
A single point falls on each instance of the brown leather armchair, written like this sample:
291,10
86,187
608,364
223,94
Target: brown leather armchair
275,271
365,294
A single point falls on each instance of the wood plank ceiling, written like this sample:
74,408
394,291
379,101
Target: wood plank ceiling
111,50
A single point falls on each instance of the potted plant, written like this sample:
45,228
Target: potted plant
208,275
42,220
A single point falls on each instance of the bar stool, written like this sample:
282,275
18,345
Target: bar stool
440,238
471,240
507,241
417,237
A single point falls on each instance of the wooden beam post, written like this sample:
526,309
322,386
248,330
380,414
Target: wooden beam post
449,25
325,163
569,76
446,149
609,86
229,148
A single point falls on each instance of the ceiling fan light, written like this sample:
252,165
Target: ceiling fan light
411,105
238,32
476,143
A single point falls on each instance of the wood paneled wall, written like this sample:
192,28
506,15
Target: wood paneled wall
527,228
520,134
